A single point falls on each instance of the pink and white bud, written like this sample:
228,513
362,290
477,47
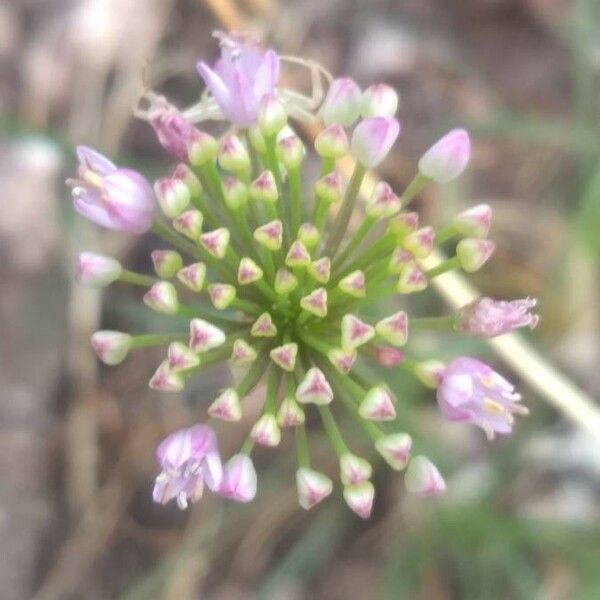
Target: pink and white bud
472,392
387,356
248,271
315,303
284,356
354,284
111,346
242,353
342,360
264,189
162,297
332,142
257,139
379,100
298,255
290,414
270,235
227,406
166,262
342,103
354,469
394,329
378,405
399,260
239,479
488,318
309,235
235,193
320,270
264,326
182,172
420,242
202,148
475,222
411,280
97,270
313,487
189,223
474,253
221,295
272,117
193,276
314,388
404,224
173,196
233,155
373,138
395,449
355,332
165,380
204,336
180,357
360,497
291,151
216,242
330,188
266,431
430,372
383,202
423,478
285,282
447,158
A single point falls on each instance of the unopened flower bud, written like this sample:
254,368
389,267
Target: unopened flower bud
298,255
270,235
359,498
315,303
290,414
377,405
165,380
383,202
242,353
342,103
430,372
162,297
221,295
394,329
111,346
423,478
216,242
239,479
235,193
320,269
202,148
354,284
332,142
447,158
395,449
330,188
475,222
313,487
355,332
180,357
233,155
354,469
193,276
314,388
309,235
96,270
183,173
285,282
388,356
342,360
257,140
173,196
189,223
248,271
411,280
474,253
373,138
166,262
204,336
263,188
266,432
290,151
226,406
271,115
399,260
284,356
264,326
379,100
404,224
420,242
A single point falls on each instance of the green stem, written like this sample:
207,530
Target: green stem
358,237
302,450
182,244
156,339
448,265
414,187
271,394
445,323
333,433
256,371
137,278
295,186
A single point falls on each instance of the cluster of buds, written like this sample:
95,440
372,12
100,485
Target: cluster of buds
265,271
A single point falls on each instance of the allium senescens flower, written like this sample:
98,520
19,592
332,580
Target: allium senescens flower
264,270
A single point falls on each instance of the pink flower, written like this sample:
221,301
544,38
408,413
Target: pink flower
447,158
239,479
109,196
487,318
189,459
373,138
240,79
472,392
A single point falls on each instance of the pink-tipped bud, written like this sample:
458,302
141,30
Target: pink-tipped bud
227,406
474,253
257,139
309,235
266,431
180,357
315,303
475,222
165,380
360,497
332,142
239,479
354,284
373,138
420,243
395,449
354,469
263,188
314,388
173,196
430,373
342,360
298,255
330,188
387,356
264,326
216,242
394,329
423,478
447,158
182,172
221,295
320,270
342,103
411,280
399,260
285,282
377,405
248,271
383,203
233,155
272,117
189,223
242,353
290,414
162,297
204,336
291,152
235,193
379,100
193,276
313,487
96,270
111,346
285,356
404,224
355,332
166,262
202,148
270,235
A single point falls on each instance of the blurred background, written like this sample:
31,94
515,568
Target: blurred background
521,519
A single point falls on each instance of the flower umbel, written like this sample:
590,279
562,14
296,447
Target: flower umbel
270,277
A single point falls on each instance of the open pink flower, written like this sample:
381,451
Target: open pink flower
240,79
